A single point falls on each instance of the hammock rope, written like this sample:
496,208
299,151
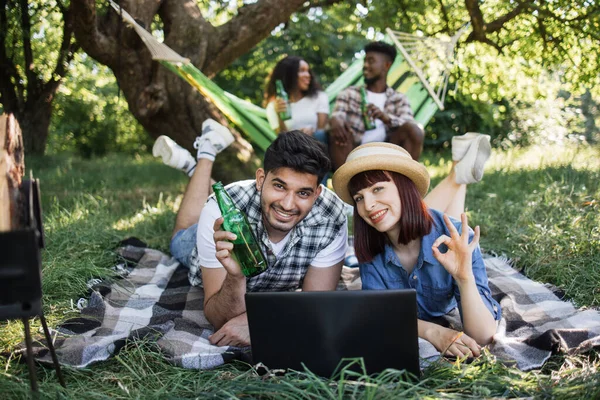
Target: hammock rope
430,58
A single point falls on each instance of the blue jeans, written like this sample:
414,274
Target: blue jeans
321,136
183,243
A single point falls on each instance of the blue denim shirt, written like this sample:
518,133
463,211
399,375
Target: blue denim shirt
437,292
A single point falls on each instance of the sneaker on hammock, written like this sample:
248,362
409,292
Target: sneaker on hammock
214,139
173,154
471,150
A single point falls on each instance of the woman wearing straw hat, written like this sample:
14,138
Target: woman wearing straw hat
403,241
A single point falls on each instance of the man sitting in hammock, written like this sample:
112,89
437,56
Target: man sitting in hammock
393,117
300,225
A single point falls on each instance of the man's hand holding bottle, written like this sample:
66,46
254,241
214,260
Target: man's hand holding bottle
224,247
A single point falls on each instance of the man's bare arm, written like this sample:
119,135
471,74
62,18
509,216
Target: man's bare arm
321,279
223,296
235,332
224,288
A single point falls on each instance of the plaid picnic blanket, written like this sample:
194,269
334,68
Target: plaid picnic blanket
155,302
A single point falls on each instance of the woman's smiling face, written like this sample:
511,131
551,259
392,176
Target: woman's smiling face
303,76
379,205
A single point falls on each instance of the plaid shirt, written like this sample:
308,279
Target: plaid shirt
314,233
348,104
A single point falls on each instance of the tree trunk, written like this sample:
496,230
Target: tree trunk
28,84
12,169
35,122
170,106
163,103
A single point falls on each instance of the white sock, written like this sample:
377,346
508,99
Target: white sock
207,150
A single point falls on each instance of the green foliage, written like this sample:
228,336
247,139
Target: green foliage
537,205
463,114
91,117
558,36
511,95
323,38
46,21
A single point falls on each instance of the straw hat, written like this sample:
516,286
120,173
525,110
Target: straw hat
379,156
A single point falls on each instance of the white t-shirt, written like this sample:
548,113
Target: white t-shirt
330,255
378,134
304,112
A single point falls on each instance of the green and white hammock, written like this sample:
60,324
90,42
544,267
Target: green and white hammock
420,71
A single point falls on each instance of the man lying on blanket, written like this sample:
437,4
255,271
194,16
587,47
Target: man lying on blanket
300,225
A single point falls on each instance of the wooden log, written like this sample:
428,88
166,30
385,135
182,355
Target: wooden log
12,169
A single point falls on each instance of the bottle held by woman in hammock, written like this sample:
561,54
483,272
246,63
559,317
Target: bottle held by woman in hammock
282,94
246,249
367,119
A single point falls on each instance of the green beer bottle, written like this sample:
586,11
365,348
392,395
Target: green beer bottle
369,123
282,94
245,247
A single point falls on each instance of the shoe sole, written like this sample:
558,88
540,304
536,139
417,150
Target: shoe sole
462,140
484,150
161,148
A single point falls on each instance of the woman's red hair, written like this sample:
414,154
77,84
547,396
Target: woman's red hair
415,221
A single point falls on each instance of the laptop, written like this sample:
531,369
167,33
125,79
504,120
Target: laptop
319,329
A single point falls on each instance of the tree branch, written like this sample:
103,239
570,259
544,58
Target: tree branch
481,29
67,50
477,22
61,6
253,23
27,53
186,31
542,31
575,22
498,23
444,15
566,53
91,39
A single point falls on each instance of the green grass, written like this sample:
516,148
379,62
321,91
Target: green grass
538,206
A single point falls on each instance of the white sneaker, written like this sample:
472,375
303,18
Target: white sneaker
173,154
470,167
216,134
460,144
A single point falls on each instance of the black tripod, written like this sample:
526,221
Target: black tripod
20,275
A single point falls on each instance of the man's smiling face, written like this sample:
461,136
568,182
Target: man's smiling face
286,197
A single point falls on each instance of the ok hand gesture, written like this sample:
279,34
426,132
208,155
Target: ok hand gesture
458,259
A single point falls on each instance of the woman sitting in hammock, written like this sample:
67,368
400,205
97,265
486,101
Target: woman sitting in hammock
309,104
403,241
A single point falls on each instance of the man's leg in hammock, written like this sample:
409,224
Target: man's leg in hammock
409,136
